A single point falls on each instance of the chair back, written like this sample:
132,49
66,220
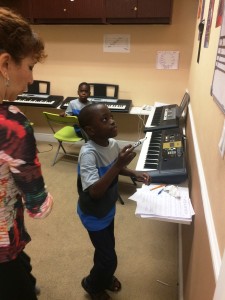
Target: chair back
64,131
63,121
104,90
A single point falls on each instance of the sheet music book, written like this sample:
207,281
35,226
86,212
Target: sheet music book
168,203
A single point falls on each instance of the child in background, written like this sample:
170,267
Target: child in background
99,165
76,105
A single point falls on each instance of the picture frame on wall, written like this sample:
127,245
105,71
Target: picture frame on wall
218,86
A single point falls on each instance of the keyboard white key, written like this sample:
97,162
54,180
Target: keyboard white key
110,106
110,100
150,117
120,107
34,96
143,153
32,101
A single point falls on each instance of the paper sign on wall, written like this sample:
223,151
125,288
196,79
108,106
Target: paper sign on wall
167,60
116,43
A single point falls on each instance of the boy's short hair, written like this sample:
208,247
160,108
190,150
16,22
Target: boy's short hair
87,115
84,83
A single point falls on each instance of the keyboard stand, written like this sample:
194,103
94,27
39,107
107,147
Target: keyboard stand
133,180
121,200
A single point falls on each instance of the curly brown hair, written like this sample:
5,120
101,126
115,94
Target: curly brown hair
17,37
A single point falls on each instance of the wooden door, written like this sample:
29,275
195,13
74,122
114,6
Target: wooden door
48,9
63,9
121,8
154,8
88,9
22,6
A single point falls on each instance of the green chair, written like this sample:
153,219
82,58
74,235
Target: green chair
63,129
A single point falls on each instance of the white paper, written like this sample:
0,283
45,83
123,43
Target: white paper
167,60
116,43
163,206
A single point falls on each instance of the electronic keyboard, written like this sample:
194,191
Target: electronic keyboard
163,156
121,105
39,100
168,116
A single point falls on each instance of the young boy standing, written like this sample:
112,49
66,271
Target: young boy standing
99,165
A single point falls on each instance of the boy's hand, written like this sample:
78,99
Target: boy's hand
143,177
125,156
62,114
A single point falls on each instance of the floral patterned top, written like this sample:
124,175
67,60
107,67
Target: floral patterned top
21,181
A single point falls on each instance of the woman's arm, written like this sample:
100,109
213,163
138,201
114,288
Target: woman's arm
21,155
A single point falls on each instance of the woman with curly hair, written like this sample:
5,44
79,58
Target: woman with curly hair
21,182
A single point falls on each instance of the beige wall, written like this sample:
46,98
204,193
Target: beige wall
208,119
198,273
75,54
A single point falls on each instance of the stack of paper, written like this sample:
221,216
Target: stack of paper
170,203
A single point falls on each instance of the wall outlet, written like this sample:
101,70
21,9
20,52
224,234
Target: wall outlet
222,142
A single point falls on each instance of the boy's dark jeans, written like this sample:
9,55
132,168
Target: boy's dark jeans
105,259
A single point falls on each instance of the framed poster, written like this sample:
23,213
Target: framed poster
209,23
220,13
218,83
201,7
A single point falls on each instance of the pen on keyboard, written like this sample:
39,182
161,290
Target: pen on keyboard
157,187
